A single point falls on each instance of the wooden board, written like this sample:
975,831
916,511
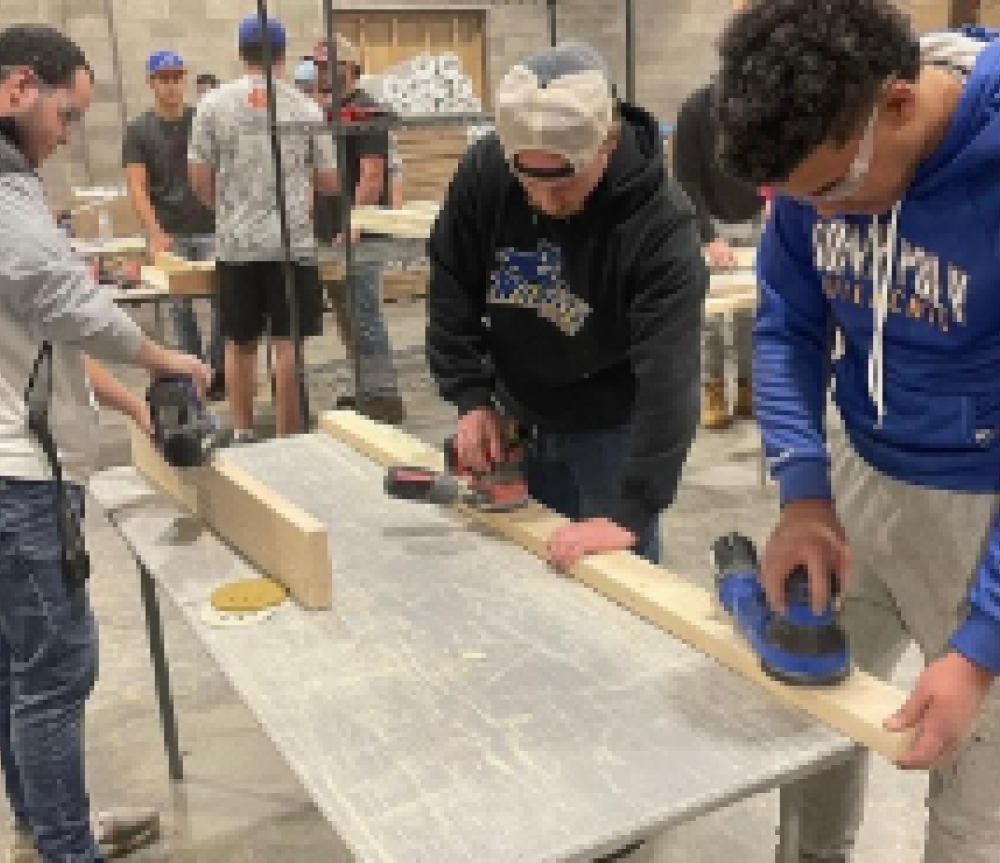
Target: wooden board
408,284
180,277
430,158
732,285
406,223
404,285
856,708
730,303
278,538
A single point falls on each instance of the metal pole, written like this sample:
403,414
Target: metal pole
346,202
116,62
630,51
161,671
553,23
789,826
286,240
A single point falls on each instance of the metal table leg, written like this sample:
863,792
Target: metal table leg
161,673
789,827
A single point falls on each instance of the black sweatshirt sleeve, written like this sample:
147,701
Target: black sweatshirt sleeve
691,150
667,285
456,338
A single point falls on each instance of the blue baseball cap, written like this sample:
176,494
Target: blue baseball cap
250,31
164,61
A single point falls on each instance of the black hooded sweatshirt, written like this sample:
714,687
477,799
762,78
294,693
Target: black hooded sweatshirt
577,324
714,193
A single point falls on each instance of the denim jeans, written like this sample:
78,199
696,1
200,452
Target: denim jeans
378,375
48,666
186,331
577,475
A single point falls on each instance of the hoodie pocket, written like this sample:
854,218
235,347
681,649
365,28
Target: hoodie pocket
985,429
915,419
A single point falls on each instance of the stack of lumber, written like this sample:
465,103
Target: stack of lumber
175,275
430,157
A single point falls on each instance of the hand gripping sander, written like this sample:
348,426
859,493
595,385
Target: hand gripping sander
500,489
184,430
800,648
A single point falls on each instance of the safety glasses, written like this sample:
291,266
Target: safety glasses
856,174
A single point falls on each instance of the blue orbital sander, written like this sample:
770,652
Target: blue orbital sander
800,648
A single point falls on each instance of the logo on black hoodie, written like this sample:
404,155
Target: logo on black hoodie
533,280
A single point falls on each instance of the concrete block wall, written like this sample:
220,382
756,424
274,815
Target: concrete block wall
674,52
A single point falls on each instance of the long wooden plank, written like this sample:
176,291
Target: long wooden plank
194,281
722,285
856,708
276,536
413,224
731,303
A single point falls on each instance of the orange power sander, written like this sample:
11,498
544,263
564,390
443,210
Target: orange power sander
500,489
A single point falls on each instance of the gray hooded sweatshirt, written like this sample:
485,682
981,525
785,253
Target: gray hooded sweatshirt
47,295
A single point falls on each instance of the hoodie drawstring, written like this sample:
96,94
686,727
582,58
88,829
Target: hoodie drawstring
881,286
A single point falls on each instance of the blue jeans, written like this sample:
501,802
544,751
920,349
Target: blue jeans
378,375
182,315
48,666
577,474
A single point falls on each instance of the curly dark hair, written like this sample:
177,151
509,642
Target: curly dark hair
796,73
53,57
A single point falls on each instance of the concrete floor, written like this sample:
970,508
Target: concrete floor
242,803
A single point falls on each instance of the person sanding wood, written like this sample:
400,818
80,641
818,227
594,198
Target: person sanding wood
884,150
566,291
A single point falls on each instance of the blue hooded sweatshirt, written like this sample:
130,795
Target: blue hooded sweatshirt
932,268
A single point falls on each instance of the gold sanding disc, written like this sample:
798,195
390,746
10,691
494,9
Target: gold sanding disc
252,594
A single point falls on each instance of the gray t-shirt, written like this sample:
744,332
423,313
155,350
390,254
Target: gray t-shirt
162,147
229,138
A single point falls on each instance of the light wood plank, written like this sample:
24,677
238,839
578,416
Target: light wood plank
732,284
196,279
731,303
856,708
277,537
414,224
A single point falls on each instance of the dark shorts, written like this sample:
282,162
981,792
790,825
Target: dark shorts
252,295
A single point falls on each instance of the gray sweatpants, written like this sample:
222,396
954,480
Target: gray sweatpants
915,553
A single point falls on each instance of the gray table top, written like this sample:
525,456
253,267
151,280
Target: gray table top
463,702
